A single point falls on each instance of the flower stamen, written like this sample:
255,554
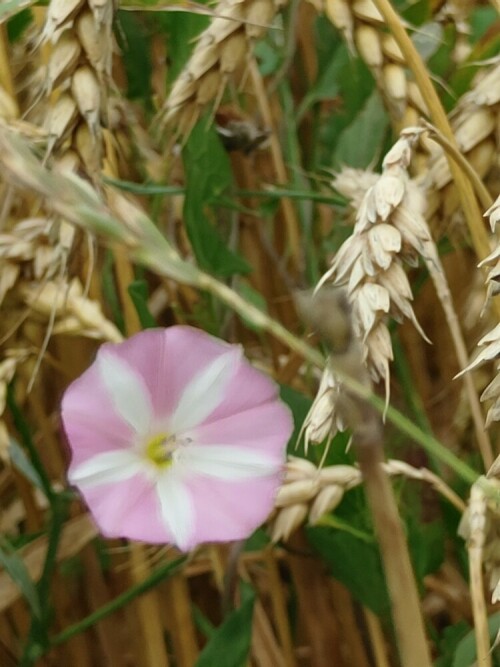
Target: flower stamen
160,448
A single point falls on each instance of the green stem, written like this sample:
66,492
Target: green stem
24,432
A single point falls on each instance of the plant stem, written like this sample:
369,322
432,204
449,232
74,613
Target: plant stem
406,612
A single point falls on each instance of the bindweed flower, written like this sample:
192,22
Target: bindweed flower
176,438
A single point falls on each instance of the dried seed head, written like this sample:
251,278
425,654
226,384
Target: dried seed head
395,86
326,501
69,161
88,149
61,118
95,43
389,228
86,91
76,314
259,16
298,468
59,14
341,475
366,11
232,53
369,46
300,491
491,341
8,277
288,520
63,60
339,13
493,214
8,107
353,184
391,49
474,128
220,51
102,11
208,87
323,420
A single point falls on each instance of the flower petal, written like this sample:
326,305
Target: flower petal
157,380
206,391
128,509
177,510
127,390
106,468
263,428
226,510
90,420
249,388
168,360
226,462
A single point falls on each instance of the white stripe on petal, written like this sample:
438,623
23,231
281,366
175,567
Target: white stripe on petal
226,462
106,468
177,510
205,392
127,390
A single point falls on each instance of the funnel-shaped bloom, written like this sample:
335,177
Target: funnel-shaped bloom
176,438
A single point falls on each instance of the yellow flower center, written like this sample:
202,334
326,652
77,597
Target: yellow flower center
160,448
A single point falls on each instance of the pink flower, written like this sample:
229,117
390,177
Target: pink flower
176,438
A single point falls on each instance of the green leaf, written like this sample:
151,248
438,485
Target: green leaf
18,24
139,293
202,622
109,290
465,655
428,39
360,143
299,404
230,643
208,175
355,563
426,544
451,637
11,7
23,464
15,567
181,29
417,12
481,20
135,51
